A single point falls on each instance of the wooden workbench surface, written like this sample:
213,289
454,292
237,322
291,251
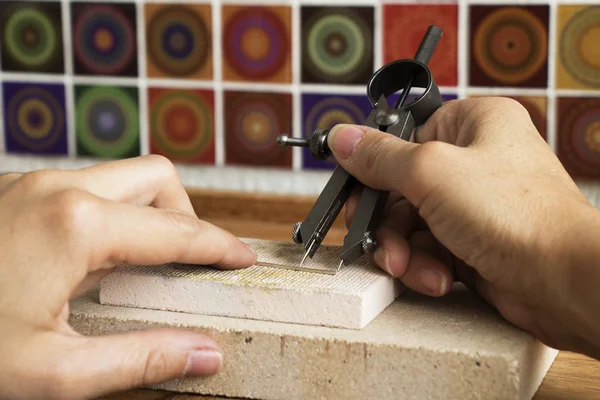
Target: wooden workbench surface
571,377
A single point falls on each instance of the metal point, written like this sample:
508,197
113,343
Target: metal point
339,266
304,258
307,252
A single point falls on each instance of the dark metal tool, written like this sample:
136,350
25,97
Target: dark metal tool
399,121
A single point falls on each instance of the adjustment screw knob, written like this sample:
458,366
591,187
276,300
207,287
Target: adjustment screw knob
296,236
318,144
369,244
386,117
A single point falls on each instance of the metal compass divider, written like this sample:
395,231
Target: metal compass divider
398,121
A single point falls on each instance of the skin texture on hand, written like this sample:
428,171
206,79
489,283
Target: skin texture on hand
61,233
479,197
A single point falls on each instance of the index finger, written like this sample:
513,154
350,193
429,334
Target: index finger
463,122
122,233
147,180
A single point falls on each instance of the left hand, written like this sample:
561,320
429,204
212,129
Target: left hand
61,232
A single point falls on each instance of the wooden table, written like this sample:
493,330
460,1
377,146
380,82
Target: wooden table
572,376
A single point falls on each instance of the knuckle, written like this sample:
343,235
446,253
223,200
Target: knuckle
427,156
68,211
36,180
155,367
510,103
512,107
503,107
10,176
163,164
183,223
8,180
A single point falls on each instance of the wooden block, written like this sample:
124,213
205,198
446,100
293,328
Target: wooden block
453,347
349,299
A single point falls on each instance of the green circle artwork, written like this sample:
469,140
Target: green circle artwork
30,37
107,122
336,45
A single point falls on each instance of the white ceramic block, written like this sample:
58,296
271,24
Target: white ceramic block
454,347
349,299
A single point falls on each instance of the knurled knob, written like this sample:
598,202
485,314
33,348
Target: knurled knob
296,236
318,144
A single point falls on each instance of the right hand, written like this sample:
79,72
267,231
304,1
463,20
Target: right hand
481,198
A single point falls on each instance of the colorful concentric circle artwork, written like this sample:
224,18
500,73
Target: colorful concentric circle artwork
578,143
107,121
337,45
323,111
578,55
181,124
179,40
32,38
404,26
215,82
509,46
35,119
104,39
253,120
257,43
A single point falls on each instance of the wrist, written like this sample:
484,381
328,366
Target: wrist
581,259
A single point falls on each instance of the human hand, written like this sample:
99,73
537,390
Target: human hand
61,233
481,198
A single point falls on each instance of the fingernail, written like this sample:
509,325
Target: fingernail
433,281
203,363
344,140
382,258
249,247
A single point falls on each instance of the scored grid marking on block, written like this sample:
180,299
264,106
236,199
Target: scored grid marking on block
351,279
350,299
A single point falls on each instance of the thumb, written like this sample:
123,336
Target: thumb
88,367
385,162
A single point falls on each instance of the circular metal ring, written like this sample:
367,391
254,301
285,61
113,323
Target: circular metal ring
395,76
